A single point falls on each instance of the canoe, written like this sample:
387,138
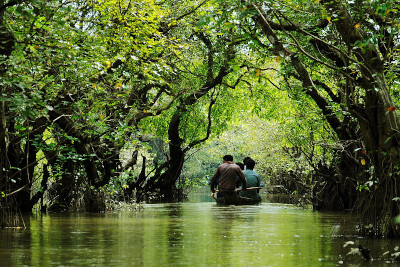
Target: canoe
241,200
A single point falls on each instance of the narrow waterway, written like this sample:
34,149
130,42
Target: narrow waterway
194,233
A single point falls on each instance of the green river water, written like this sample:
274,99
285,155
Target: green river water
194,233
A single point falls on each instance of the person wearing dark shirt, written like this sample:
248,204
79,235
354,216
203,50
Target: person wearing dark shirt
226,175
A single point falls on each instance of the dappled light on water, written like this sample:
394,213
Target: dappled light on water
187,234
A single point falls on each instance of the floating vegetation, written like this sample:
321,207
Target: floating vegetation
113,205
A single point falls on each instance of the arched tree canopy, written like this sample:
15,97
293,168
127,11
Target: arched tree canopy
109,99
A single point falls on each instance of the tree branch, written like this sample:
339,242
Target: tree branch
303,74
194,143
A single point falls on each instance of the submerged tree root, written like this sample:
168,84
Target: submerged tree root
10,217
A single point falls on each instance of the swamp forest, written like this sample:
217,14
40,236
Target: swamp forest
104,102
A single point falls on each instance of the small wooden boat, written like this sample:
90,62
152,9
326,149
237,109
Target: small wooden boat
240,200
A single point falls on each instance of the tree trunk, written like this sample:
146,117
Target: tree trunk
6,47
66,187
380,133
165,183
168,181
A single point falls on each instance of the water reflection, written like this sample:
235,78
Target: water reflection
186,234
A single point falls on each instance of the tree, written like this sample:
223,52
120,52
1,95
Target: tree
84,74
81,79
6,48
341,54
208,73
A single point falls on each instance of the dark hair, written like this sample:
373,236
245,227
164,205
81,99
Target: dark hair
245,160
228,158
241,165
250,164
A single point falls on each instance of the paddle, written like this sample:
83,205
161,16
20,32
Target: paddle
247,188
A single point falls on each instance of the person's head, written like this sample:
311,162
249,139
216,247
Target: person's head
250,164
241,165
245,160
228,158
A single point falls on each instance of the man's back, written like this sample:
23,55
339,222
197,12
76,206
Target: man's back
227,174
253,180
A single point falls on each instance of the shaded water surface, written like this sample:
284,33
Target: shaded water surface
195,233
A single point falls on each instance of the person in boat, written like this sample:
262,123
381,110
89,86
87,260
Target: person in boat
238,181
241,165
253,180
244,162
225,178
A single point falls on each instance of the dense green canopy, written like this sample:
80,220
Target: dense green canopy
111,99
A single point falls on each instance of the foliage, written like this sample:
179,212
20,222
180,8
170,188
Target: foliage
113,96
341,56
